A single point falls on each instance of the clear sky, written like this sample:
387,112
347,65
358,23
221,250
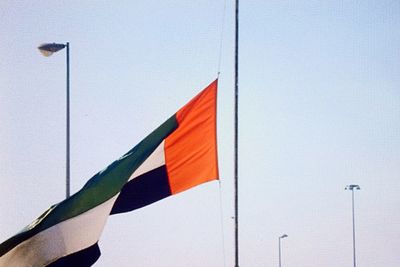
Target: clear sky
319,109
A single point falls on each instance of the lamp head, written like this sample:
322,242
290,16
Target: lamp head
283,236
352,187
48,49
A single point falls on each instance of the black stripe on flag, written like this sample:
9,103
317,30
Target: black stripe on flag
143,190
83,258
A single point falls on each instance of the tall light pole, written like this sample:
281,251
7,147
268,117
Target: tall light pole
352,187
47,50
279,242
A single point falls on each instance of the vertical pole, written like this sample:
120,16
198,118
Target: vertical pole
279,251
68,131
236,131
354,231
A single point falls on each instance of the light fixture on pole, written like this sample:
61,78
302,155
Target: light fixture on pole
352,187
47,50
279,241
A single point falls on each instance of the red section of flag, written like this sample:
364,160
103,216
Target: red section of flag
191,150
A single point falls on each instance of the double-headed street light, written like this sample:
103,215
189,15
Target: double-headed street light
47,50
279,241
353,187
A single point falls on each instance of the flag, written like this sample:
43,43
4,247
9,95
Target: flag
178,155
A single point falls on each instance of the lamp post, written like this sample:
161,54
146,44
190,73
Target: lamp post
352,187
47,50
279,241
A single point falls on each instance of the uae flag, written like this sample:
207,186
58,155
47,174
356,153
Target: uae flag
178,155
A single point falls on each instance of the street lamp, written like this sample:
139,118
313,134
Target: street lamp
352,187
47,50
279,241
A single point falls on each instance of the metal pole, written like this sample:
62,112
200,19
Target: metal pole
354,231
68,131
353,187
279,251
236,132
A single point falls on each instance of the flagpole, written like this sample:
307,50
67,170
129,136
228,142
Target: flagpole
236,131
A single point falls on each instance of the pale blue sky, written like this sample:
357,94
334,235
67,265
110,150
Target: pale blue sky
319,109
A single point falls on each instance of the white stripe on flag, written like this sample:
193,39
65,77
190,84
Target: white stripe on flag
155,160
